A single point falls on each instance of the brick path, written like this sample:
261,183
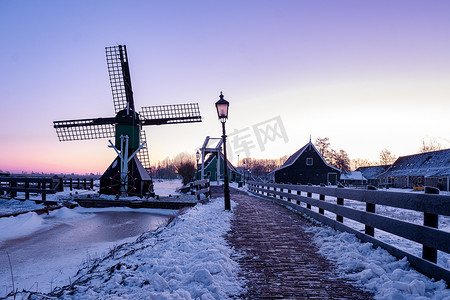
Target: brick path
281,261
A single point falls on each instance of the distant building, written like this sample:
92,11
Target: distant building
210,170
424,169
371,173
212,162
307,166
353,178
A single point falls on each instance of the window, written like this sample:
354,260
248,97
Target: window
309,161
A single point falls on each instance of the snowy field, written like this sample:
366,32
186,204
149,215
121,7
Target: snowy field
190,259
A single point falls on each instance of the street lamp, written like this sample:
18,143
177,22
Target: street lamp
222,112
197,155
244,172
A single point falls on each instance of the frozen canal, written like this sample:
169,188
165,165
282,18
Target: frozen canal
47,250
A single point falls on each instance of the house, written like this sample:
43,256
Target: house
307,166
424,169
371,173
353,178
209,168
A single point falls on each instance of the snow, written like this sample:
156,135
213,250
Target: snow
8,206
375,269
190,259
353,175
22,225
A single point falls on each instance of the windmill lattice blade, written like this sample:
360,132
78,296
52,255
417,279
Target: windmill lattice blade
143,153
119,77
171,114
85,129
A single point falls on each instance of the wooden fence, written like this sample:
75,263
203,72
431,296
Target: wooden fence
27,185
79,183
199,187
428,235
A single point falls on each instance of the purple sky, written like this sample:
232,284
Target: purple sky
367,74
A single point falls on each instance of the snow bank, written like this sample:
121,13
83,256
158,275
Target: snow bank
375,269
8,206
20,226
189,259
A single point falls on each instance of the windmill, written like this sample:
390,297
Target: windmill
128,173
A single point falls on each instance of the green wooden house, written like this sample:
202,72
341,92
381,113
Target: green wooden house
210,169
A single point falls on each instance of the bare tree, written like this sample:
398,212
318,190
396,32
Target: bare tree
386,157
185,166
341,160
323,146
361,162
429,146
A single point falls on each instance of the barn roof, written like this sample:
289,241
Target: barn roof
429,164
291,160
372,172
353,175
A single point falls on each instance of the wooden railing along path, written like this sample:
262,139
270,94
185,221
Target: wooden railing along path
27,185
199,187
428,235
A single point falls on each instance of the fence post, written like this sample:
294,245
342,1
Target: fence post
44,187
281,190
309,195
78,183
289,199
340,201
321,197
84,183
91,183
370,207
430,220
71,183
27,193
298,193
13,184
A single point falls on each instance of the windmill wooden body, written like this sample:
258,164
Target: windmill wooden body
128,174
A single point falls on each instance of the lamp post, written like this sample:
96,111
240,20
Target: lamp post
244,172
222,112
197,155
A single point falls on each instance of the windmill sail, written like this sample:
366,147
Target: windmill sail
119,77
143,153
171,114
85,129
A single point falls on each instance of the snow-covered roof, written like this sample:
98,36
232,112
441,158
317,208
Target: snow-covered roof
291,160
372,172
429,164
352,175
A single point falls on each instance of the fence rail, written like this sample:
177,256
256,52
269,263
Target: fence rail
27,185
12,185
428,235
79,183
199,187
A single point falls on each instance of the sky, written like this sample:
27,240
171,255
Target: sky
370,75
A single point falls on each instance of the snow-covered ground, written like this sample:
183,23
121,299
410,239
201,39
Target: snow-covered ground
395,213
190,259
47,250
375,269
